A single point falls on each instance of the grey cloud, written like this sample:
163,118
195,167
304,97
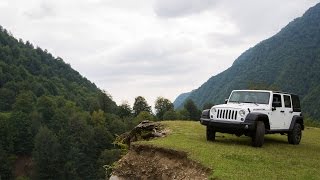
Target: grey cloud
223,40
176,8
256,18
45,9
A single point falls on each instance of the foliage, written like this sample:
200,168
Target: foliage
162,105
311,122
232,157
125,110
107,159
143,115
46,154
288,61
192,109
207,105
170,115
49,111
183,114
140,104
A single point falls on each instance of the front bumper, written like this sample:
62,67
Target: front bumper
229,126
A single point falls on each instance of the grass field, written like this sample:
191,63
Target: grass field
232,157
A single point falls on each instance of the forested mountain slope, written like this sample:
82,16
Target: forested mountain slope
181,99
288,61
25,68
59,123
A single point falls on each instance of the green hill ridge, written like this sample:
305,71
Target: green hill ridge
54,123
288,61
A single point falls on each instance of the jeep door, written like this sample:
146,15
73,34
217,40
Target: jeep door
277,114
288,111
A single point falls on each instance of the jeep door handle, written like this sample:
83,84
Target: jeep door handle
282,111
290,111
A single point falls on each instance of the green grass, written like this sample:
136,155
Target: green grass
232,157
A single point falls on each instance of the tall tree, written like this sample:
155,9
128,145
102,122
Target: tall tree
162,105
46,155
194,112
140,104
124,110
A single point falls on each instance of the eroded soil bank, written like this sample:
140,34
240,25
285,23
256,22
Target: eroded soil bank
149,162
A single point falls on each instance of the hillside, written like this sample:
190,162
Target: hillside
288,61
178,102
54,123
26,68
229,157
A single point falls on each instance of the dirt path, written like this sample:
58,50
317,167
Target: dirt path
149,162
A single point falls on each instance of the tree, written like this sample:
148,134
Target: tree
107,158
170,115
6,165
207,106
192,109
106,103
140,104
20,133
183,114
98,118
46,155
162,105
124,110
143,115
24,102
6,99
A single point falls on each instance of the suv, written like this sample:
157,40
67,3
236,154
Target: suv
255,113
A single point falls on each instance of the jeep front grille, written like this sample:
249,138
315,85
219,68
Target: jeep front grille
227,114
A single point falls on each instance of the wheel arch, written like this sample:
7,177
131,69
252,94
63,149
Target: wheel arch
254,117
297,119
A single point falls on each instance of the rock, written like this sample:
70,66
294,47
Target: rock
144,131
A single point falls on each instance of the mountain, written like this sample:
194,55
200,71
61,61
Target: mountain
54,123
25,68
178,102
288,61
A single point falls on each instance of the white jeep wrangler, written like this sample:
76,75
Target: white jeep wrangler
255,113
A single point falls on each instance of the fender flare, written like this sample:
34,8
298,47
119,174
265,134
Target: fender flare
296,119
205,114
254,117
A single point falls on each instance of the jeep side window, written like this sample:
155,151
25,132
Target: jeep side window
295,103
287,101
276,102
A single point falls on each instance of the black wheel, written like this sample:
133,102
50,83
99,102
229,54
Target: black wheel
211,134
294,137
258,136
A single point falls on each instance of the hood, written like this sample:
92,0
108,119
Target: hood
251,106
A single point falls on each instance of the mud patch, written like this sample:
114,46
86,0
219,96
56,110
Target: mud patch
149,162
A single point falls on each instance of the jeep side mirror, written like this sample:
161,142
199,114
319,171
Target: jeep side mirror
226,101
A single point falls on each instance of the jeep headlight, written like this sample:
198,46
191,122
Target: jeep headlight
242,113
213,110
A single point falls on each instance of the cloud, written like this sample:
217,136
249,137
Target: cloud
149,48
46,9
176,8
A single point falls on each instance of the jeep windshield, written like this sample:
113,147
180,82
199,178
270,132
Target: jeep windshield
250,97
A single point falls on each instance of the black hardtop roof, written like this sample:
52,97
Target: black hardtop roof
281,92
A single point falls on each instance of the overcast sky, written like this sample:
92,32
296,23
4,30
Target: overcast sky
148,47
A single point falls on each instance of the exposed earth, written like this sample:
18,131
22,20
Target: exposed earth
149,162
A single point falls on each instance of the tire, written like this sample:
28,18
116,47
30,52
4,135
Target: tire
258,136
294,137
211,134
